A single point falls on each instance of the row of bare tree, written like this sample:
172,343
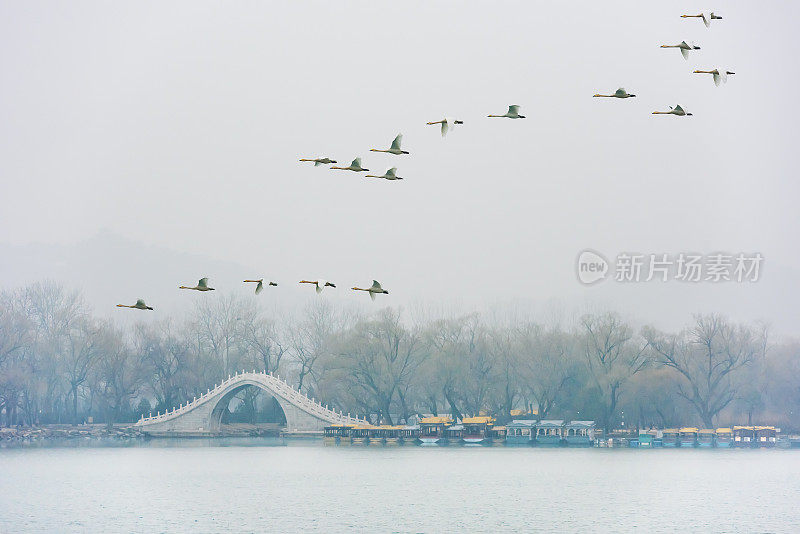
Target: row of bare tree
59,363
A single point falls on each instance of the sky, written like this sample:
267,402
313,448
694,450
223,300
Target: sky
176,128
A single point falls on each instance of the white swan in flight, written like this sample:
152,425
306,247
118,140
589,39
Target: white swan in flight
355,166
319,161
512,113
707,17
394,149
446,123
677,110
319,284
202,285
260,286
619,93
373,290
720,75
684,47
391,174
140,305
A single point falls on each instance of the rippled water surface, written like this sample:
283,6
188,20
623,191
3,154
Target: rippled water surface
161,487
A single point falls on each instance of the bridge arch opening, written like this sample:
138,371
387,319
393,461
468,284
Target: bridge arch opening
248,407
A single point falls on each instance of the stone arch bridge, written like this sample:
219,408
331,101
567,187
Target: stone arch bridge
203,415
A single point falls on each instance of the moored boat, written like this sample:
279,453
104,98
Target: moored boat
432,429
498,435
688,437
336,434
670,437
477,429
646,440
548,433
765,436
409,434
520,432
706,437
744,436
723,438
359,435
579,433
388,434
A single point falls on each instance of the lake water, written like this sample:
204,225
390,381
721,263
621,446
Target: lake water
160,487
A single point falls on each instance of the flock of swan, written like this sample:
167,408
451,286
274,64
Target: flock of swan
720,75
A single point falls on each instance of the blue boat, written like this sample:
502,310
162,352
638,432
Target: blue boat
723,438
688,437
706,438
669,437
548,433
520,432
579,433
645,440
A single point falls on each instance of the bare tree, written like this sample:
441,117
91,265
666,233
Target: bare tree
612,356
380,356
117,376
546,365
707,356
312,338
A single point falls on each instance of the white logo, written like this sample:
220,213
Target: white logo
592,267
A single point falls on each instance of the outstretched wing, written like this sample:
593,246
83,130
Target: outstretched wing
706,19
445,126
685,53
376,285
203,282
317,163
259,287
356,163
397,141
391,172
140,302
679,110
513,110
372,295
621,92
723,75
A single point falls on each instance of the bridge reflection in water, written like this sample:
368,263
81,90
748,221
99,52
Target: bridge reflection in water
203,416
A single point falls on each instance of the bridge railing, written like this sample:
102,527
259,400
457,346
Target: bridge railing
279,386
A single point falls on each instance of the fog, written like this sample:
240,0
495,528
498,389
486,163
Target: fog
171,133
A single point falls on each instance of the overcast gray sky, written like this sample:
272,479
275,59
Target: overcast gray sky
179,125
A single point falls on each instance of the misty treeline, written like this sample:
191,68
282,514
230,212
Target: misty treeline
61,364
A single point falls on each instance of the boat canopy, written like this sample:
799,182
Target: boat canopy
550,423
522,423
724,430
483,419
580,424
445,420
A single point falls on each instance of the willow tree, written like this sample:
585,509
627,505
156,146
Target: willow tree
707,356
